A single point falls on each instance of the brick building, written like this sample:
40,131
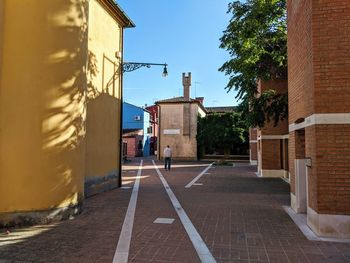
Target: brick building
271,141
253,146
319,113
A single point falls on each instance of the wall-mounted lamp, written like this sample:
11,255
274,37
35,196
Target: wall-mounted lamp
131,66
165,71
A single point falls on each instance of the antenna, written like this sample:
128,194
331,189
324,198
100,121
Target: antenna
195,88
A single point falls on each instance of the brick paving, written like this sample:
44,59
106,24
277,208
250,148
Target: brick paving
239,216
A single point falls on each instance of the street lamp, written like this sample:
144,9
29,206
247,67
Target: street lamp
128,67
165,71
131,66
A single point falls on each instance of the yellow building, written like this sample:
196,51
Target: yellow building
60,102
178,123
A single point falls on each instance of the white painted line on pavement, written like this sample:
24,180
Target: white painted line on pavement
198,243
121,254
198,176
162,220
198,184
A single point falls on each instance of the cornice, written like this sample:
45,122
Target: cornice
117,13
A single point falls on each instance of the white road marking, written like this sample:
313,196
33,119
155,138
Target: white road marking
122,252
198,243
198,184
198,176
125,187
162,220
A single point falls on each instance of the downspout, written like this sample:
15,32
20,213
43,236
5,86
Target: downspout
121,110
159,133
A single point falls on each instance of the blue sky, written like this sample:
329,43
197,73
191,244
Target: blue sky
184,34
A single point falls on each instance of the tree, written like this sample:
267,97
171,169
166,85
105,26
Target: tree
225,131
256,39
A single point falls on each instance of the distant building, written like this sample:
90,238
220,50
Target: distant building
136,130
153,110
223,109
178,123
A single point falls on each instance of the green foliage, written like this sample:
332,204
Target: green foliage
256,39
225,131
270,106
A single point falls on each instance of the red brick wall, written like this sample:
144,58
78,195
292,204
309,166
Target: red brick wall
329,176
300,71
253,146
271,157
280,129
331,56
270,149
318,57
131,146
281,86
253,151
319,82
253,134
291,149
132,143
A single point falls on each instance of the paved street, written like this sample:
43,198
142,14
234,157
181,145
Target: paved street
238,216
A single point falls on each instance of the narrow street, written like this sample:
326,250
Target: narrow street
238,216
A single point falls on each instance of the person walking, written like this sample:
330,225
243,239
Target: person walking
167,157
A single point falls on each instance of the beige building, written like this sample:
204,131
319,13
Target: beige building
178,123
60,104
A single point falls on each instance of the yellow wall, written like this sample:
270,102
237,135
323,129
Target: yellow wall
103,108
171,117
42,104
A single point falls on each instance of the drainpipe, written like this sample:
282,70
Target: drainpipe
159,134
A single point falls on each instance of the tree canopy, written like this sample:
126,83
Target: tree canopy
256,39
222,131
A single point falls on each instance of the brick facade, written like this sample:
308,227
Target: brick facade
253,146
272,140
319,109
132,142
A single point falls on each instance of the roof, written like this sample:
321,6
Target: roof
180,100
135,106
175,100
221,109
117,12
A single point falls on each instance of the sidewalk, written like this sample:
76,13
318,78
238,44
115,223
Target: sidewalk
238,216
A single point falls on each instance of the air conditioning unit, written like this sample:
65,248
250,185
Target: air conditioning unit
137,118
